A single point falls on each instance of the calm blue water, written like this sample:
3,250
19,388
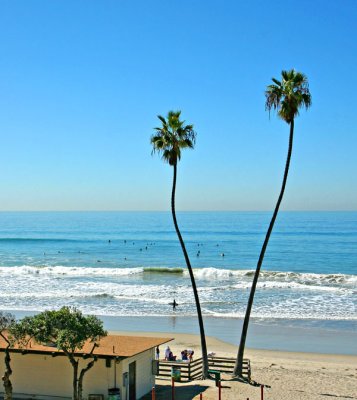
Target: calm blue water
119,263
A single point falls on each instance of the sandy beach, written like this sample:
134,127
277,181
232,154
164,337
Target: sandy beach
286,375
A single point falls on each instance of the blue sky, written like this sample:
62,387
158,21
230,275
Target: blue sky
81,83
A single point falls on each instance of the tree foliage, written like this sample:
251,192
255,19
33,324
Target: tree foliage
288,95
6,321
67,329
172,137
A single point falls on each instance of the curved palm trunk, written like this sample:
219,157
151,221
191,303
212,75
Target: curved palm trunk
193,283
238,368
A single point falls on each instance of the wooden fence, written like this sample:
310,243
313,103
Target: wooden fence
193,370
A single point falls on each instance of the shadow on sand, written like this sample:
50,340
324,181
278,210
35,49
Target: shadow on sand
246,381
163,392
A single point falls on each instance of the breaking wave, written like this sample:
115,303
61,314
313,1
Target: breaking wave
242,278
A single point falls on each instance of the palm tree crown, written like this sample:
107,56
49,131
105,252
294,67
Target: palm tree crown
173,136
288,95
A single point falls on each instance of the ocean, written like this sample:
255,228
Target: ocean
129,264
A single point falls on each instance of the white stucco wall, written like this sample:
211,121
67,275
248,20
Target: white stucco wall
145,380
43,375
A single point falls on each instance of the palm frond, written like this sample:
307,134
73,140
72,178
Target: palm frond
278,83
287,96
162,119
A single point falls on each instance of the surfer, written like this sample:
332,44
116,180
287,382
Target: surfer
174,304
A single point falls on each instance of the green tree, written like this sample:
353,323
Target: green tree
6,322
169,139
67,329
287,97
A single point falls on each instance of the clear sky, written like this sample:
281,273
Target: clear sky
81,84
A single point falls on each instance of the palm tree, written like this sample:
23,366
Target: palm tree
169,140
286,97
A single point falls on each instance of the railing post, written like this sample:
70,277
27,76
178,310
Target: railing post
219,390
153,393
262,392
172,389
201,396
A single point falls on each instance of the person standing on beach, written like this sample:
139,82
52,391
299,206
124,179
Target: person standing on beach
174,304
167,353
157,353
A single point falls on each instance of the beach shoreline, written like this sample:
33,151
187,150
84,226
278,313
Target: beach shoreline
309,336
323,337
181,341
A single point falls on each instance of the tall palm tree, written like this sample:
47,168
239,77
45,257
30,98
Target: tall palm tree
169,140
286,97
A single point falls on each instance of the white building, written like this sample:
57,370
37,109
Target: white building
124,362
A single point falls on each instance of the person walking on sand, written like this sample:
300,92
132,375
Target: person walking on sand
157,353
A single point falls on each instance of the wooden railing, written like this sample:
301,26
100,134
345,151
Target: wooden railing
189,370
226,365
193,370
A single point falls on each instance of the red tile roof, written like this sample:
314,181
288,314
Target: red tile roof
111,345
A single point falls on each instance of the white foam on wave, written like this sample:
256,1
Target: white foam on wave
279,279
209,273
70,271
215,273
164,310
281,315
63,295
223,293
270,285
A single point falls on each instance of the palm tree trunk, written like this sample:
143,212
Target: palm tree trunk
193,283
238,368
7,374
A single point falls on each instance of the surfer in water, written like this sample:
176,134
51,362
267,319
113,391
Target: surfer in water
174,304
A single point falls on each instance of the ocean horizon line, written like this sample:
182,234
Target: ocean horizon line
177,210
